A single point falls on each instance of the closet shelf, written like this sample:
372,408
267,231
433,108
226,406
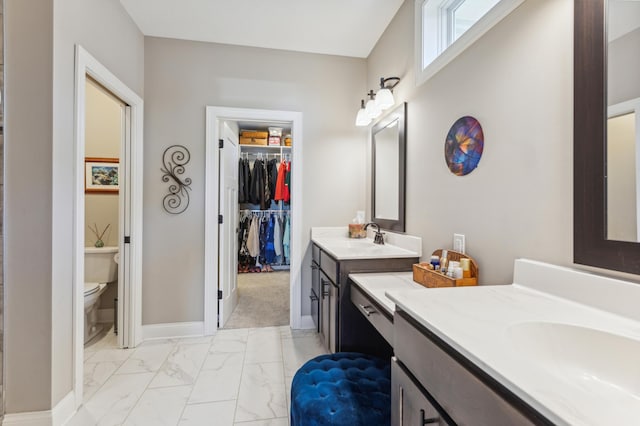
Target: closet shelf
263,148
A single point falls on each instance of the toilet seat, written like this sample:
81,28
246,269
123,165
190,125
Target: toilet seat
90,288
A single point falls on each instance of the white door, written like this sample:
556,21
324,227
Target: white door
124,306
228,253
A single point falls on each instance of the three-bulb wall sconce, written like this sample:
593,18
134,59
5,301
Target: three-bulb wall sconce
377,102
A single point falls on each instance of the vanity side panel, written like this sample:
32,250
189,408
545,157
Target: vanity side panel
315,253
467,394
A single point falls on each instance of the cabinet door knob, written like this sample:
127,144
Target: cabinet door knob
430,420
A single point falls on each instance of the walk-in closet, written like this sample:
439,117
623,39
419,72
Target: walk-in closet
263,226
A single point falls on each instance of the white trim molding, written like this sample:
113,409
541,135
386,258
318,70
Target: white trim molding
214,115
306,322
33,418
131,254
59,415
433,29
172,330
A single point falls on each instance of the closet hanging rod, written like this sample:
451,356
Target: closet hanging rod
264,211
264,154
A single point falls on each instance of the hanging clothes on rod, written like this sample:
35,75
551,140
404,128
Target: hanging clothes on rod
282,192
263,245
272,177
257,193
244,180
264,180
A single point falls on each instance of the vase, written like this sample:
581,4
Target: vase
99,243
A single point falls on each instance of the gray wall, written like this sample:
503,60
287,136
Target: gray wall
39,191
108,33
624,68
181,79
28,150
517,81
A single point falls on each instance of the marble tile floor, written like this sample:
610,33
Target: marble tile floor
237,377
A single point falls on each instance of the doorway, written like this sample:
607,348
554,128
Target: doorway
255,234
127,171
105,129
216,238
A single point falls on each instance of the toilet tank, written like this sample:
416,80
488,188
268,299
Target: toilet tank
99,266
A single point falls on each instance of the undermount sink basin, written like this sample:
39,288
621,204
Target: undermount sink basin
597,361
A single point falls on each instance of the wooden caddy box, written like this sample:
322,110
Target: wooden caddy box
430,278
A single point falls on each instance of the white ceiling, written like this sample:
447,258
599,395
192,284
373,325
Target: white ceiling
336,27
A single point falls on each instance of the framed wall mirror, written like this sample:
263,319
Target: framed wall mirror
607,134
388,147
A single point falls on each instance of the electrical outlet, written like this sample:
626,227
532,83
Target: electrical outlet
458,243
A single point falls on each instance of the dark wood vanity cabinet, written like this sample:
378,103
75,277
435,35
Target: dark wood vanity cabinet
410,403
342,327
429,375
329,298
314,295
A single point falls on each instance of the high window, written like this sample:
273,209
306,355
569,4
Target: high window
445,28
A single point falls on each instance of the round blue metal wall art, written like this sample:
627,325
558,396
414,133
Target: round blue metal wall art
464,145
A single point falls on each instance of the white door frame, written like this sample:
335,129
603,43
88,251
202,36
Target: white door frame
214,115
130,324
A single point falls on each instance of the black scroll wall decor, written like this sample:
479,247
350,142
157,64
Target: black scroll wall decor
174,159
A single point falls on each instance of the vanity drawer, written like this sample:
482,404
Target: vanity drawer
377,316
466,393
329,266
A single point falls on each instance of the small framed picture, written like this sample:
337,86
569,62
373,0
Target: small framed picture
101,175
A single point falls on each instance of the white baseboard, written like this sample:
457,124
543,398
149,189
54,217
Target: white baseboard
306,322
64,410
58,416
171,330
105,315
33,418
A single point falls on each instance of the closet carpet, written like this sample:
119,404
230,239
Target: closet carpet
263,300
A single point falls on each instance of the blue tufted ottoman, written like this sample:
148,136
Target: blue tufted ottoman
344,388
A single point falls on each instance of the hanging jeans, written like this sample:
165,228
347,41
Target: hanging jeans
269,249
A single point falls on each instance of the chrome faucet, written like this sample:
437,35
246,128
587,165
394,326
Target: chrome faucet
379,236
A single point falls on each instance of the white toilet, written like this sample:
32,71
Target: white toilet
100,268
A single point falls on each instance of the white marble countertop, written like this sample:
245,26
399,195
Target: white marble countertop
375,285
335,241
571,359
